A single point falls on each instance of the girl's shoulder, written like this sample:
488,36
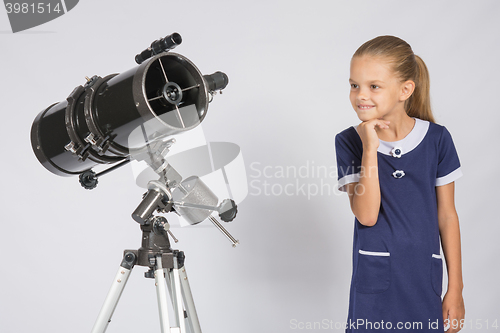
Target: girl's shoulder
438,132
349,133
348,138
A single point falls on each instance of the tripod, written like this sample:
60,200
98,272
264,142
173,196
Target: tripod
166,266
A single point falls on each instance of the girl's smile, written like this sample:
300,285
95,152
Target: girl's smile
365,107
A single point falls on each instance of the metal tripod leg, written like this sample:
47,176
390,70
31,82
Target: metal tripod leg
192,316
179,290
161,293
177,296
114,293
178,280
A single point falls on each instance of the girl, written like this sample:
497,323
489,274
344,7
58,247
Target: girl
398,168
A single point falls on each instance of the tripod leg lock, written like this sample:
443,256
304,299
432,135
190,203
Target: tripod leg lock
180,258
129,259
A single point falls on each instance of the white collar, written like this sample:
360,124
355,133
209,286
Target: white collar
409,142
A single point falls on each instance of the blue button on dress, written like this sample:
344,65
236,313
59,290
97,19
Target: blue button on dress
397,266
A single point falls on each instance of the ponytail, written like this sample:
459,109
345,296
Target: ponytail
407,66
419,103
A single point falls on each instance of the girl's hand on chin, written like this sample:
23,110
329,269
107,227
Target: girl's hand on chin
368,134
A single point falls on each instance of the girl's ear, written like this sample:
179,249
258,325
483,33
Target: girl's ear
407,89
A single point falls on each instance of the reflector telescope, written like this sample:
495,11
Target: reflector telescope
93,125
119,117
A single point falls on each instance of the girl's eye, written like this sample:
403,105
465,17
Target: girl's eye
374,86
354,85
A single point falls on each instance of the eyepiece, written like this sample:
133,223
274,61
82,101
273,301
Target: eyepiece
216,81
158,46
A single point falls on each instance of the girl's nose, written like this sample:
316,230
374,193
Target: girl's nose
362,95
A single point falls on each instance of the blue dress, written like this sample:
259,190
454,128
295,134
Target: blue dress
397,265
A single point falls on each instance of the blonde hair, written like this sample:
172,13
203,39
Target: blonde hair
407,66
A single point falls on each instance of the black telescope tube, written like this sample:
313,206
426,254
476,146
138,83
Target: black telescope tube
158,46
96,122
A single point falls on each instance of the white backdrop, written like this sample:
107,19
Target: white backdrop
288,66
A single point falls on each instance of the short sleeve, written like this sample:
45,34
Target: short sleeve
448,169
349,151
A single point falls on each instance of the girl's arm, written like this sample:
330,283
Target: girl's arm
453,303
364,196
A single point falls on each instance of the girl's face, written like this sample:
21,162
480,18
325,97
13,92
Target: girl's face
376,91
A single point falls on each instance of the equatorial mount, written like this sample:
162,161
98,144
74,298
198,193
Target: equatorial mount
159,199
